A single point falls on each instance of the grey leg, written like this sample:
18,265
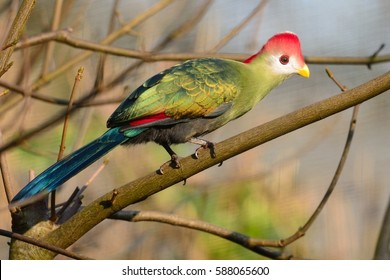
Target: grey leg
174,162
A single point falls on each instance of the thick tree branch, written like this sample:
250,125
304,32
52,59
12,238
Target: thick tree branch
29,240
148,185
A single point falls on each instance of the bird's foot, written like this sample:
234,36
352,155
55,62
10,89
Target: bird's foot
204,144
174,163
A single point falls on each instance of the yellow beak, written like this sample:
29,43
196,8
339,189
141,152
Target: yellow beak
304,71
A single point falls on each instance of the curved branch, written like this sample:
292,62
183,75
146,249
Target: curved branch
351,131
140,189
56,100
250,243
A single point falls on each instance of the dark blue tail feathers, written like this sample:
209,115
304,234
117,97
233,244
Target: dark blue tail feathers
72,164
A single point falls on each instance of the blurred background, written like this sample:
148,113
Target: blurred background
267,192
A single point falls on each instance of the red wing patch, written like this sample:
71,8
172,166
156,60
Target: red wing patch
148,119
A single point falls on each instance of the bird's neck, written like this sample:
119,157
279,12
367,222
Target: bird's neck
261,66
261,78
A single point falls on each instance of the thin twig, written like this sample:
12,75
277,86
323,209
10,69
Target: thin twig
375,54
44,125
106,41
5,173
175,34
96,173
54,100
8,11
234,31
77,80
76,196
382,250
65,205
255,245
64,37
185,27
113,36
50,46
99,80
42,38
347,60
333,78
4,92
42,244
24,79
86,100
301,231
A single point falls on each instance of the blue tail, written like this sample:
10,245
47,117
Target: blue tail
72,164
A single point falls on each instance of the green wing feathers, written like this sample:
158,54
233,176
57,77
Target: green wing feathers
196,88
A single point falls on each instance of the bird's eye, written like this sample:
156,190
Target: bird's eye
284,59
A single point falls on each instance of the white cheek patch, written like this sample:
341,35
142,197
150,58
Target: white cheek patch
283,69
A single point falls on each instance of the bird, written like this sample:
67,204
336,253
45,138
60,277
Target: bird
183,103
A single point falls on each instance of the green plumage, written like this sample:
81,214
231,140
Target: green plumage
194,89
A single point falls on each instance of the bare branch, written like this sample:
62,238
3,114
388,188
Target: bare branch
175,34
42,38
55,100
382,250
337,60
77,79
189,24
9,192
375,54
56,20
64,37
109,39
55,119
302,230
258,9
255,245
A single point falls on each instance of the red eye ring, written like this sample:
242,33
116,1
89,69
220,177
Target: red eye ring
284,59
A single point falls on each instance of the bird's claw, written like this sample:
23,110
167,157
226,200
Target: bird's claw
208,145
174,163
